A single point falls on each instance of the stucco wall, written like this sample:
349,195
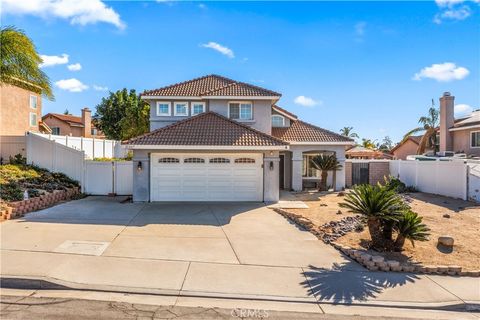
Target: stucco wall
261,113
406,149
462,143
15,111
65,128
141,179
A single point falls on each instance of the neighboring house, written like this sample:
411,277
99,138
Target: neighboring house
407,147
359,152
458,135
216,139
20,111
69,125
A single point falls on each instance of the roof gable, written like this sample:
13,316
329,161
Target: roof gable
300,131
207,129
211,86
73,120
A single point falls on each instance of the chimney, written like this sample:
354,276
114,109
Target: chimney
446,121
87,122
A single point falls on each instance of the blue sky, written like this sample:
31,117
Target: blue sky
371,65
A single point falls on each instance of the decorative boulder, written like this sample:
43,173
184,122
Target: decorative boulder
446,241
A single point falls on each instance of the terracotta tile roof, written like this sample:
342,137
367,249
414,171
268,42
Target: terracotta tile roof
281,110
207,129
77,121
211,85
300,131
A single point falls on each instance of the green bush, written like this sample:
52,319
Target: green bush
394,184
11,192
18,159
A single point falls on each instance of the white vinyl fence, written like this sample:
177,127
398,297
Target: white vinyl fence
474,182
447,178
95,177
94,148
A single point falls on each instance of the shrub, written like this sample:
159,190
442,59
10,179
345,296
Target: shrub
394,184
18,159
409,226
11,192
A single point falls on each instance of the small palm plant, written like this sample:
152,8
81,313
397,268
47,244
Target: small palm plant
325,163
378,205
409,226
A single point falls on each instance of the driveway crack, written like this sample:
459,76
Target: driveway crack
228,239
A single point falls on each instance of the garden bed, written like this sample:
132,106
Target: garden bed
463,224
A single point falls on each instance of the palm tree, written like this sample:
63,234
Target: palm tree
429,124
378,205
19,62
409,226
326,163
368,143
348,132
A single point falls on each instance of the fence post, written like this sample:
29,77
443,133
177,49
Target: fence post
104,149
113,177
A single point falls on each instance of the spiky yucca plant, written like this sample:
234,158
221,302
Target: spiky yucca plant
409,226
325,163
378,205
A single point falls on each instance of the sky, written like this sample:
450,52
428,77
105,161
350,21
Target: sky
374,66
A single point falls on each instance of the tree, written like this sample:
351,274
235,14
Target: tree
429,124
122,115
19,62
409,226
348,132
368,143
326,163
379,206
386,145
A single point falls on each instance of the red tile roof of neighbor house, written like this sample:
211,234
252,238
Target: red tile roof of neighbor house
207,129
300,131
74,120
211,85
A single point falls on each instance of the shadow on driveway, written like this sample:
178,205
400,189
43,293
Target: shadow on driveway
339,285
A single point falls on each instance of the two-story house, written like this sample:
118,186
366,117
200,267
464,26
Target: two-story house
216,139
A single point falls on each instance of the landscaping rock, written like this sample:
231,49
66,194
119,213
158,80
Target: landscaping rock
408,268
393,263
475,273
446,215
431,269
366,257
455,269
446,241
378,259
442,269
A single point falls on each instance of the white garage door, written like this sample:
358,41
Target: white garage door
206,177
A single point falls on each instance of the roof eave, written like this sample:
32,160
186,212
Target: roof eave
213,147
330,143
476,126
149,97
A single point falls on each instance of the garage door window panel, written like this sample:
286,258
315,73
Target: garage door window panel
219,160
244,160
194,160
168,160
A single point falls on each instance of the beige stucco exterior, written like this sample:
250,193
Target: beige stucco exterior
407,148
462,142
65,128
15,110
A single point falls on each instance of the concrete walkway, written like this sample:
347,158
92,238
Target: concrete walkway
186,253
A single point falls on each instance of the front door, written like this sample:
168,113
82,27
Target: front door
281,170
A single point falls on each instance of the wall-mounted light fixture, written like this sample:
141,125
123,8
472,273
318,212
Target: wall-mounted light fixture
139,166
271,165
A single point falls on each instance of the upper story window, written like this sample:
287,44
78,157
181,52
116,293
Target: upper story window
163,108
278,121
198,107
241,110
33,101
181,109
56,131
33,119
475,139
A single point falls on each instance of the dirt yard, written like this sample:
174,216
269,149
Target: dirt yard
463,225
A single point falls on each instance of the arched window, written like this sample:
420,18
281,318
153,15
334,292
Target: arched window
194,160
278,121
244,160
219,160
168,160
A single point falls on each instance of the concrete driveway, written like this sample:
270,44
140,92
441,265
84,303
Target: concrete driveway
192,250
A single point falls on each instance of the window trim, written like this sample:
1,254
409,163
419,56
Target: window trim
192,104
36,101
30,119
471,140
175,113
239,106
283,120
169,113
53,129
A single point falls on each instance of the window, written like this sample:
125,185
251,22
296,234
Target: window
181,109
168,160
241,110
93,132
33,119
194,160
475,139
219,160
163,108
33,102
56,131
278,121
198,107
244,160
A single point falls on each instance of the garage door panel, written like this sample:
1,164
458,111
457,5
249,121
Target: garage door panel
206,181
